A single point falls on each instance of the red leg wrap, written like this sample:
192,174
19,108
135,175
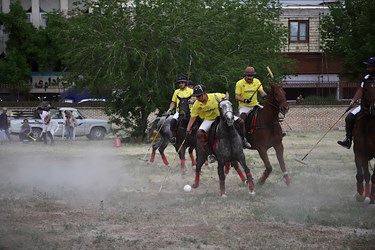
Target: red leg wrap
372,196
222,187
196,181
227,167
152,158
193,161
367,189
165,159
241,175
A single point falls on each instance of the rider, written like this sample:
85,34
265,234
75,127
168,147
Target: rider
207,108
247,90
183,92
350,118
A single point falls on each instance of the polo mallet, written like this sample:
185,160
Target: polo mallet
189,71
32,138
305,163
261,83
174,159
153,140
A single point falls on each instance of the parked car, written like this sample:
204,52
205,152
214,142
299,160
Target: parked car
93,129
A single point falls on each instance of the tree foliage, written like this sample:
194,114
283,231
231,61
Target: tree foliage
137,52
348,33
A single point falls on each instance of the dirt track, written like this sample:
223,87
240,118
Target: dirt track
91,195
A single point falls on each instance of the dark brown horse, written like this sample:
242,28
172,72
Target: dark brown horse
265,131
364,143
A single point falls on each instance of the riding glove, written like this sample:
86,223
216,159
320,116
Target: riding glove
247,100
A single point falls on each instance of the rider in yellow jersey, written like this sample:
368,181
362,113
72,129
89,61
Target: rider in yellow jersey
183,92
207,108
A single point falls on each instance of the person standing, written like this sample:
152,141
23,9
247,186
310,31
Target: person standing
182,92
47,126
70,123
369,78
207,108
5,123
246,92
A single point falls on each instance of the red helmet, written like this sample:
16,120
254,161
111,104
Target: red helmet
249,71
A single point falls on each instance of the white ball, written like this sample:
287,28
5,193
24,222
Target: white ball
187,188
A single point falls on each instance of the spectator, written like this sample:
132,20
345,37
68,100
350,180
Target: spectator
5,123
70,123
25,132
299,99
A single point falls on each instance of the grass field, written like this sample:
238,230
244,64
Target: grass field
91,195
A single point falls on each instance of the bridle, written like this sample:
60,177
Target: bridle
228,115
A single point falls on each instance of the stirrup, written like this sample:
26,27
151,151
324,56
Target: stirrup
173,140
211,158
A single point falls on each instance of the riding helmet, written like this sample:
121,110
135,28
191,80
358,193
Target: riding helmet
249,71
181,79
190,83
198,90
370,62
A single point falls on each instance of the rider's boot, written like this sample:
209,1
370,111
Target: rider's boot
173,126
202,138
349,125
242,132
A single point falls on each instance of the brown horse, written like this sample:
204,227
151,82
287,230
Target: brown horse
264,131
364,143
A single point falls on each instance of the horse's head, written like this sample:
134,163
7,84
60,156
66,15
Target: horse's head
183,107
226,110
368,98
277,98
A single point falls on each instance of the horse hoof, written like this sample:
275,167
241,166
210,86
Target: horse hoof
195,185
260,182
367,200
372,203
252,194
224,196
360,198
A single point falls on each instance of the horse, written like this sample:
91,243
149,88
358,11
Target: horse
228,148
364,144
263,130
183,141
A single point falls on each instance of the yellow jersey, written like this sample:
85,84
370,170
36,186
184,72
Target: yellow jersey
209,110
246,90
182,93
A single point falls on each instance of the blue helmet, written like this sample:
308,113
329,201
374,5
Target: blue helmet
181,79
198,90
370,62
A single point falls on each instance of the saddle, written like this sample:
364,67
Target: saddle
251,119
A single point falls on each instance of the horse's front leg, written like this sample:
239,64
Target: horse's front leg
237,168
193,161
263,155
155,146
280,157
201,158
181,154
249,177
359,163
220,171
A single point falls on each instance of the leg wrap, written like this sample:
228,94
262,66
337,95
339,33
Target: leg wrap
360,188
202,138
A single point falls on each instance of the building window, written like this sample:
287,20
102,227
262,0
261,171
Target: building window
298,31
43,19
28,17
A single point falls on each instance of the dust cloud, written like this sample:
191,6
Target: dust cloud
73,173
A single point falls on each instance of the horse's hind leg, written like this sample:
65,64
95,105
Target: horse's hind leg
181,154
155,146
280,157
201,158
164,144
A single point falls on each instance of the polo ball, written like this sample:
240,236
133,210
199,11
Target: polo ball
187,188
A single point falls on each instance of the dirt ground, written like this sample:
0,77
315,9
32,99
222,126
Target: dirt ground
92,195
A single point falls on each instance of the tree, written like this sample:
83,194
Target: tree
348,33
137,52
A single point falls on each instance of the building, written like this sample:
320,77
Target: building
316,73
